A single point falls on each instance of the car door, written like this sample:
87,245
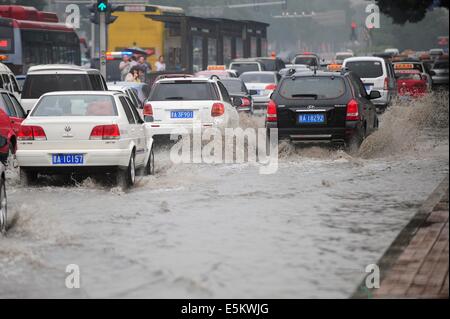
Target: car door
233,116
5,124
19,115
140,131
14,120
133,131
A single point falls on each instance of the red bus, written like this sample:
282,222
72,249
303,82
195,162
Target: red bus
31,37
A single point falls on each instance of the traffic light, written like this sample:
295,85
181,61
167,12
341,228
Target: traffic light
109,17
102,6
95,17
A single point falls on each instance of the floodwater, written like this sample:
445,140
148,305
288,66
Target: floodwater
225,231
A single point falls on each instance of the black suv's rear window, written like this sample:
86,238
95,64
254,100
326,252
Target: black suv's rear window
314,87
183,91
366,69
37,85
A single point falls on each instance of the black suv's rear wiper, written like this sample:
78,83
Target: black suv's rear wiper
179,98
313,96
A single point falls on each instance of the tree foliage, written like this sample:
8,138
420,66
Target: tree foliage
403,11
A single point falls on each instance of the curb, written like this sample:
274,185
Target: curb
404,238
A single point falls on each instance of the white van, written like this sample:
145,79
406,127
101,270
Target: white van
377,74
8,81
43,79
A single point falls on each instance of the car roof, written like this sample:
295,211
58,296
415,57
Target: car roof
4,68
58,68
126,84
193,79
231,79
364,58
260,72
319,74
118,88
108,93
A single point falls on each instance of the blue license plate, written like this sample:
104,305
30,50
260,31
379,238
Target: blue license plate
311,118
182,114
67,159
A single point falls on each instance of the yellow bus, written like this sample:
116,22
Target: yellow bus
134,28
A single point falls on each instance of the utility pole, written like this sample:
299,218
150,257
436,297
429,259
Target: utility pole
103,44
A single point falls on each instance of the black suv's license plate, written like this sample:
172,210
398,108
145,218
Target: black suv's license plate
312,118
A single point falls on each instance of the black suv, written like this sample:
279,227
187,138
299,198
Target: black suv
323,107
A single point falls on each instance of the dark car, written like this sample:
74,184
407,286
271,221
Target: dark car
323,107
239,94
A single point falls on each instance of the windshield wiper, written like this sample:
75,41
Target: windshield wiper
313,96
178,98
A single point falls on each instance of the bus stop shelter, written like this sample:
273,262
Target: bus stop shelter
193,43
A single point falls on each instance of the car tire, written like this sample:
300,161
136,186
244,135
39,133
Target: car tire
3,206
150,166
355,141
27,177
127,178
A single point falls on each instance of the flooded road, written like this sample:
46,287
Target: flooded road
225,231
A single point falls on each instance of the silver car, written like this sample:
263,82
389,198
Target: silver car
441,73
261,86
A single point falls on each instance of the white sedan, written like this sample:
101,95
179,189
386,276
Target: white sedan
182,103
85,133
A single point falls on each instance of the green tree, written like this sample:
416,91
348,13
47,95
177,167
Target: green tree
403,11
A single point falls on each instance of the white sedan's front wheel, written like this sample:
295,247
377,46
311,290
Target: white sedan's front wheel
3,206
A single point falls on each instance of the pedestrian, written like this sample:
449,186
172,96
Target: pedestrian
145,67
133,75
125,67
160,64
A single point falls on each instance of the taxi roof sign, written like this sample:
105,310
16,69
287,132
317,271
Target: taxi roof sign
334,67
404,66
217,67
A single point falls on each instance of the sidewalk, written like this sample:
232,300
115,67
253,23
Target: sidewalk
417,263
